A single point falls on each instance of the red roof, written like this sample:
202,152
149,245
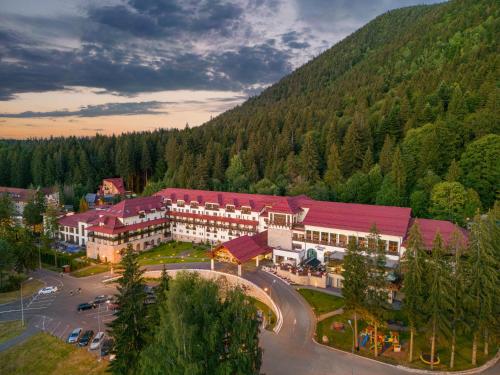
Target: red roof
257,202
213,218
84,217
429,228
246,247
116,227
132,207
357,217
118,183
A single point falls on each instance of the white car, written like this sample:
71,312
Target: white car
96,342
74,335
48,290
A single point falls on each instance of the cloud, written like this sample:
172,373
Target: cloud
108,109
291,39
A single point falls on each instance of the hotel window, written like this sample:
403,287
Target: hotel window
308,235
194,204
362,242
352,239
180,203
372,243
229,208
333,238
324,237
342,240
315,236
246,210
393,247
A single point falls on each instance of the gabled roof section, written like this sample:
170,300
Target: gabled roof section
132,207
357,217
118,184
83,217
429,228
246,247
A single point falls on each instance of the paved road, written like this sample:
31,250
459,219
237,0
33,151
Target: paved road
292,351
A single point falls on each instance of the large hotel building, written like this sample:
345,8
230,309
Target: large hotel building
249,226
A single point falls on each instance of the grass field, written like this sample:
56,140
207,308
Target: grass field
321,302
343,340
43,354
91,270
10,330
174,252
29,288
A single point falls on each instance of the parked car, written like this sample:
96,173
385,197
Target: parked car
102,299
48,290
96,341
86,337
74,335
86,306
107,347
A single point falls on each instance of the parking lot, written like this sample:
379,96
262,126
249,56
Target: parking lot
56,313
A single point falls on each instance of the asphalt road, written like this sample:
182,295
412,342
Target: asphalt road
292,351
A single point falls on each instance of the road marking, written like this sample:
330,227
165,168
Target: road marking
55,328
25,309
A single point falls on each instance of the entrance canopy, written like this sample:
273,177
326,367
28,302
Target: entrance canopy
243,249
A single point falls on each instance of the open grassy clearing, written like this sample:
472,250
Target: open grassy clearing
29,288
321,302
342,339
10,329
91,270
175,252
43,354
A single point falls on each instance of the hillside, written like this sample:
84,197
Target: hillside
402,112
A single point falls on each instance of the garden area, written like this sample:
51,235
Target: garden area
175,252
320,302
43,354
10,329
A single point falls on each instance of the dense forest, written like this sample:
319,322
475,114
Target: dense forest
405,111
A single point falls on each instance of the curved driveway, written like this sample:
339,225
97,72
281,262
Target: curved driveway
291,351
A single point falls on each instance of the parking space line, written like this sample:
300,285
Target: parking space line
55,328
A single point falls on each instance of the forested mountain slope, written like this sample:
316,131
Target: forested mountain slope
405,111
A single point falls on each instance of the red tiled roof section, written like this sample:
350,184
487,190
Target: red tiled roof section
120,228
357,217
17,194
85,217
132,207
245,247
118,183
257,202
213,218
429,228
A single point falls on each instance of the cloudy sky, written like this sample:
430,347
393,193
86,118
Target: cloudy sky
85,66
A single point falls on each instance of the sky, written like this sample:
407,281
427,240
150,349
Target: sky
83,67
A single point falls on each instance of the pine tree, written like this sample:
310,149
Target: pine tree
367,161
352,152
454,172
414,282
399,176
438,303
355,284
386,155
483,265
83,206
129,327
333,176
377,291
309,158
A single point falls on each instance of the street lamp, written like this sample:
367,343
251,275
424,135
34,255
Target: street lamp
22,305
350,325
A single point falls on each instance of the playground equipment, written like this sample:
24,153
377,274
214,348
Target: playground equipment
426,358
389,341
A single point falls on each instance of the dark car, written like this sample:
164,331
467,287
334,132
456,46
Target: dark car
102,299
86,338
106,347
86,306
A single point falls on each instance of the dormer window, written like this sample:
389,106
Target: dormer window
194,204
212,206
229,207
168,202
246,210
180,203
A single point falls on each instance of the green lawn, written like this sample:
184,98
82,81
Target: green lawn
43,354
343,340
266,311
175,252
10,329
91,270
29,288
321,302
